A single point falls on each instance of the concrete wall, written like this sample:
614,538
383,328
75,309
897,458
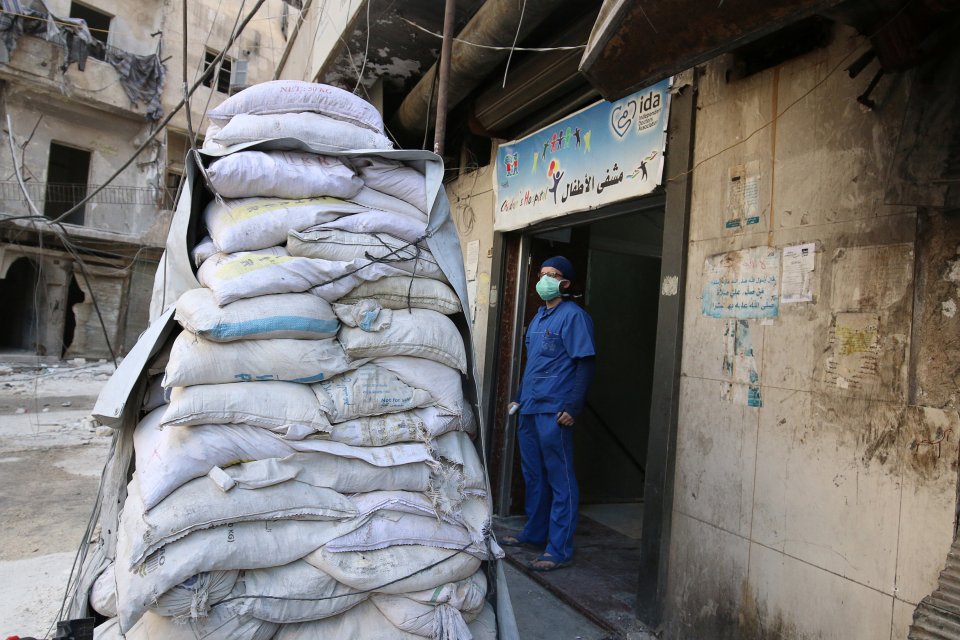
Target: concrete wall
472,205
210,25
828,511
322,27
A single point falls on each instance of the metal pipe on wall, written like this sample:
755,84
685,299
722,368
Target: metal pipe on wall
496,23
440,131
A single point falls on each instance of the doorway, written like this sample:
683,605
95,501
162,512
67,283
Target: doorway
22,299
68,170
617,258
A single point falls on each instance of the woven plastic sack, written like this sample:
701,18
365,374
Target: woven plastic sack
367,391
295,96
282,174
394,178
333,244
250,224
405,292
372,221
193,598
323,134
421,333
301,316
195,361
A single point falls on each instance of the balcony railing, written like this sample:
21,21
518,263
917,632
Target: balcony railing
72,193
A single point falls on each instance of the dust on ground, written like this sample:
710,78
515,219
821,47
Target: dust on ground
51,456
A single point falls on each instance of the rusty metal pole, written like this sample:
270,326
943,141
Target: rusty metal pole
440,131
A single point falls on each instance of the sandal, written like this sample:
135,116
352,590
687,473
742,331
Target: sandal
514,541
545,562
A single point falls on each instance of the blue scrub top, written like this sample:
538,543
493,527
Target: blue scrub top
555,339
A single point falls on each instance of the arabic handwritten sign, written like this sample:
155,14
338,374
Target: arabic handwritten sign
742,284
608,152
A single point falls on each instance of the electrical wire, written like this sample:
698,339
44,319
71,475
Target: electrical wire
163,123
366,51
493,47
83,268
513,47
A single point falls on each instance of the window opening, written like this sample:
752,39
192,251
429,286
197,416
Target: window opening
67,174
220,78
99,25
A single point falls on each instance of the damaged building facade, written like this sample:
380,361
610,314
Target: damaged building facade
774,424
84,86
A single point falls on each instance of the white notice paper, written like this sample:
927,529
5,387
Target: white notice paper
472,259
472,298
799,262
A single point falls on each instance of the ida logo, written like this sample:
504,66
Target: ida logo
511,163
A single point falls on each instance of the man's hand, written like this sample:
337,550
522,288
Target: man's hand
564,419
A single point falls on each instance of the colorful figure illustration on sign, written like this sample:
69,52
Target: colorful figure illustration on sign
586,142
576,134
553,143
642,168
512,162
556,175
566,138
536,156
545,145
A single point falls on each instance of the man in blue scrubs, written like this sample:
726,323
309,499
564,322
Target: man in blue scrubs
553,390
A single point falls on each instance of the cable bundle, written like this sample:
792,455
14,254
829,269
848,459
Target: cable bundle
305,465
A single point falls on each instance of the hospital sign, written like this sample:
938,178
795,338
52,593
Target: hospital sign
607,152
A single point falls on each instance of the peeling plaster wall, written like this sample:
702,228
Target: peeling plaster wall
319,36
472,205
110,141
209,25
828,511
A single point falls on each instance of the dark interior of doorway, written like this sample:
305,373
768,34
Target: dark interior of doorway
617,260
21,295
75,296
68,170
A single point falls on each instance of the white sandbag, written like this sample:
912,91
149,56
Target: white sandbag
394,178
441,613
418,425
286,408
457,448
168,458
103,594
323,134
395,224
195,361
282,174
296,592
200,504
300,316
362,622
385,202
367,391
221,623
387,529
420,333
366,314
250,224
243,545
405,292
242,275
295,96
204,249
396,569
396,466
193,598
109,630
485,625
443,383
332,244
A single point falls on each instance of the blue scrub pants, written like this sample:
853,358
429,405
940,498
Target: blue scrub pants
552,495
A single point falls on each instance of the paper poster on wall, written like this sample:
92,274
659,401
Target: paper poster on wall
854,350
472,259
742,206
608,152
742,284
796,281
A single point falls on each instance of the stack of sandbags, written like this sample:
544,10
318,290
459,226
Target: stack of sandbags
305,466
